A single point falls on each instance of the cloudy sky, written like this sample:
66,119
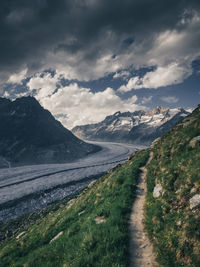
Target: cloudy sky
86,59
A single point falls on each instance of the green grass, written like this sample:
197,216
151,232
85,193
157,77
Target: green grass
83,242
173,227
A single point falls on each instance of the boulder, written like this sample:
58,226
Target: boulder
157,192
195,201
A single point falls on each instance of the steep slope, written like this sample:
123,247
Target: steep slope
173,201
92,229
138,127
30,134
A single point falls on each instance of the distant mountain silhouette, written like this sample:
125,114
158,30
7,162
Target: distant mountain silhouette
29,134
137,127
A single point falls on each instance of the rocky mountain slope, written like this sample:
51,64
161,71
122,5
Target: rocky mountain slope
30,134
173,200
138,127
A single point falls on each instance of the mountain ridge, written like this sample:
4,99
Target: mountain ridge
137,127
31,135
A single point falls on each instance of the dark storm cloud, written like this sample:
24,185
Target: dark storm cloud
31,29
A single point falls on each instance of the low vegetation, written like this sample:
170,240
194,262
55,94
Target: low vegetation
91,230
172,223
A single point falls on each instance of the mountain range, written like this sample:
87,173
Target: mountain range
30,135
137,127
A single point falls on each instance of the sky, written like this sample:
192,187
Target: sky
86,59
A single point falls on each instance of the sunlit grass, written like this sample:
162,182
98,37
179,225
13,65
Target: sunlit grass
172,225
82,241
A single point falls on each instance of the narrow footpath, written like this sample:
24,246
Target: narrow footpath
141,250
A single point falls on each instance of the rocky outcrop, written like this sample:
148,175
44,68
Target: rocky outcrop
195,201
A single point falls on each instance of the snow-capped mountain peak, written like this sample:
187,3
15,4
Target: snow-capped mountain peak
135,127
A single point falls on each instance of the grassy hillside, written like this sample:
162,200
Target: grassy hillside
172,222
92,230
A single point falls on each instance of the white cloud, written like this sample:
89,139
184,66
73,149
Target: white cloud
171,52
146,100
77,67
122,74
159,49
16,78
44,84
169,99
162,76
168,50
82,106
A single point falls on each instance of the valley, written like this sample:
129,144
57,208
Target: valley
28,188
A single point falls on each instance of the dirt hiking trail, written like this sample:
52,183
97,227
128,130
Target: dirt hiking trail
141,250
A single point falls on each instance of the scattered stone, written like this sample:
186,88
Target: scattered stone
100,219
91,184
83,211
193,190
143,246
155,142
20,235
195,201
194,141
131,156
157,192
56,237
70,203
178,191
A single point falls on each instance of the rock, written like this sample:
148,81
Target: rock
195,201
194,141
91,184
56,237
131,156
193,190
157,192
143,246
178,191
20,235
155,142
70,203
100,219
83,211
